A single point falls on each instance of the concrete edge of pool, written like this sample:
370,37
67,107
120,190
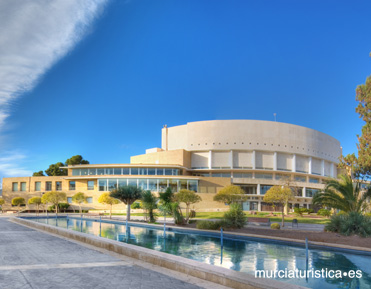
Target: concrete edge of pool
197,269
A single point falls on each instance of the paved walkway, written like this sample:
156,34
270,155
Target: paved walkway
30,259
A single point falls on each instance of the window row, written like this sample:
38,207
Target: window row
49,186
126,171
259,176
154,185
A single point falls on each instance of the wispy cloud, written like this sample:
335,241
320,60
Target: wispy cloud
9,164
34,35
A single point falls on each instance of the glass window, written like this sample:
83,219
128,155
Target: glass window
264,189
314,180
89,200
143,171
182,184
84,172
112,184
152,185
23,186
48,186
123,182
193,185
175,172
242,175
309,193
100,171
263,176
297,191
162,185
173,184
126,171
69,200
132,182
152,171
90,185
76,172
250,190
37,186
300,179
134,171
117,171
221,175
102,184
160,171
142,183
92,172
109,171
72,185
168,172
58,186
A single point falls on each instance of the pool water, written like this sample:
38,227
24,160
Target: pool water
239,254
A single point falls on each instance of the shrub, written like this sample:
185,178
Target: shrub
209,225
324,213
300,211
192,214
136,205
350,224
235,217
310,211
275,226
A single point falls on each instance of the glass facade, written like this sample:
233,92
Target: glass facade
264,189
154,185
221,175
264,176
126,171
314,180
309,193
300,179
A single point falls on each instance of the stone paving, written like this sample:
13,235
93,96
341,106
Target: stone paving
30,259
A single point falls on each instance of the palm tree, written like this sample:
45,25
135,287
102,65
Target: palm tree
343,194
149,202
127,195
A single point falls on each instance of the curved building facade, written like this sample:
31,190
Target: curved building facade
205,156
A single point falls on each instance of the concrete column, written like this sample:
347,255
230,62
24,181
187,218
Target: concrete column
322,167
253,160
231,159
258,189
259,206
304,192
310,166
210,157
275,161
294,163
332,170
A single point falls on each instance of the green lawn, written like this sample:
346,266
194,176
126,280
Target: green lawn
219,215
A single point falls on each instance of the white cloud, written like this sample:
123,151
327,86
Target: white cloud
34,35
9,165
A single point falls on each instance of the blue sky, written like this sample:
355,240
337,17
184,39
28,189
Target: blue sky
100,78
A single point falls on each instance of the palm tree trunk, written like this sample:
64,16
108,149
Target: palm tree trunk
110,212
128,212
283,216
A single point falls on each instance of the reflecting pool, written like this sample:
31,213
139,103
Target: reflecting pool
239,254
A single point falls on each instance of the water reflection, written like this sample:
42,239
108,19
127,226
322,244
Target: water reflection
243,256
